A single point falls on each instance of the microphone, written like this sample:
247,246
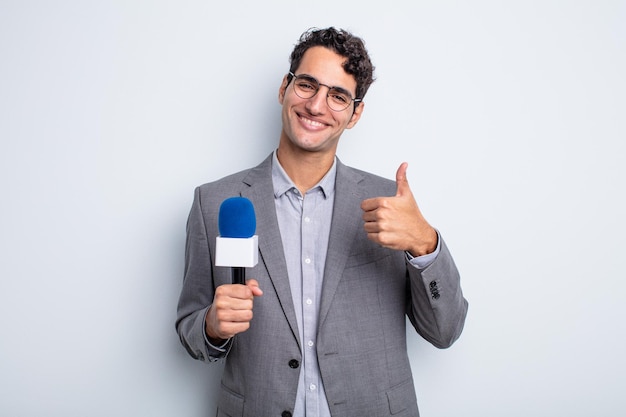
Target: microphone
237,246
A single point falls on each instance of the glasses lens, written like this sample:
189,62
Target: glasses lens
306,87
338,100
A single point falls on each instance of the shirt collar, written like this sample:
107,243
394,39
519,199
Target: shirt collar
282,182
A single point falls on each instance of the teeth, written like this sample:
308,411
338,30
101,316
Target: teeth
312,122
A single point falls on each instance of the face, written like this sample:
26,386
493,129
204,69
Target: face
309,124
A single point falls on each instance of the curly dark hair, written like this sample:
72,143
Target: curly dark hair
357,64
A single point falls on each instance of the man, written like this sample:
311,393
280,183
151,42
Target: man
344,257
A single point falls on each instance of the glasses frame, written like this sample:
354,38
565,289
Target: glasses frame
319,84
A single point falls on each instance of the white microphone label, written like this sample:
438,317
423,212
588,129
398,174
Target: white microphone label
239,252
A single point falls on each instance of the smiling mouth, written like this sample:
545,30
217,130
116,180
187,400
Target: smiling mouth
310,122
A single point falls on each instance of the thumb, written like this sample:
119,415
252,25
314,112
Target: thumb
254,286
401,182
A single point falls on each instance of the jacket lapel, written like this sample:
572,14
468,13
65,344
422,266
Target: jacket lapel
346,223
261,193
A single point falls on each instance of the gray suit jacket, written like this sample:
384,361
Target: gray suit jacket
368,291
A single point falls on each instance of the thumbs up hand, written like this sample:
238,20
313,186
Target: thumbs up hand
397,222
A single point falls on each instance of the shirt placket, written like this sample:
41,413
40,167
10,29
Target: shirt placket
310,301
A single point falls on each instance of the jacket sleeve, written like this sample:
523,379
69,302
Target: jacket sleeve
436,307
198,288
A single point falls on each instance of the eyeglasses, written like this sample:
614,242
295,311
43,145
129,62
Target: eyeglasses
337,98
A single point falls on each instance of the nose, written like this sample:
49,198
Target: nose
318,104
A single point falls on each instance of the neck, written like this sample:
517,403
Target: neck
305,169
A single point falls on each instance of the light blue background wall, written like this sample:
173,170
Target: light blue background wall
510,114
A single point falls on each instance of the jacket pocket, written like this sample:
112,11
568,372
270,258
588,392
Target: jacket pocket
402,399
230,404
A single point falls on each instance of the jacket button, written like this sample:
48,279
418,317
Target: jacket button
293,364
286,414
433,284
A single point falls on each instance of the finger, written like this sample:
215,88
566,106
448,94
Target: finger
254,287
370,204
224,324
232,305
402,183
233,291
369,216
371,227
233,316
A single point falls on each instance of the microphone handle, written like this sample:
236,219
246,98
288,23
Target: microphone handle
239,275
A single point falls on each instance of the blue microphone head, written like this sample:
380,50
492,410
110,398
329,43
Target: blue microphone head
236,218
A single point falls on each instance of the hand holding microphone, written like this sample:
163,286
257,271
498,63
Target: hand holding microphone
237,248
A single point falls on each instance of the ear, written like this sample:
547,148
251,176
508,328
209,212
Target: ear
356,115
282,90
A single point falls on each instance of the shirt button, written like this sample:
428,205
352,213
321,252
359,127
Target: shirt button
307,219
294,364
309,301
312,387
310,343
307,260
